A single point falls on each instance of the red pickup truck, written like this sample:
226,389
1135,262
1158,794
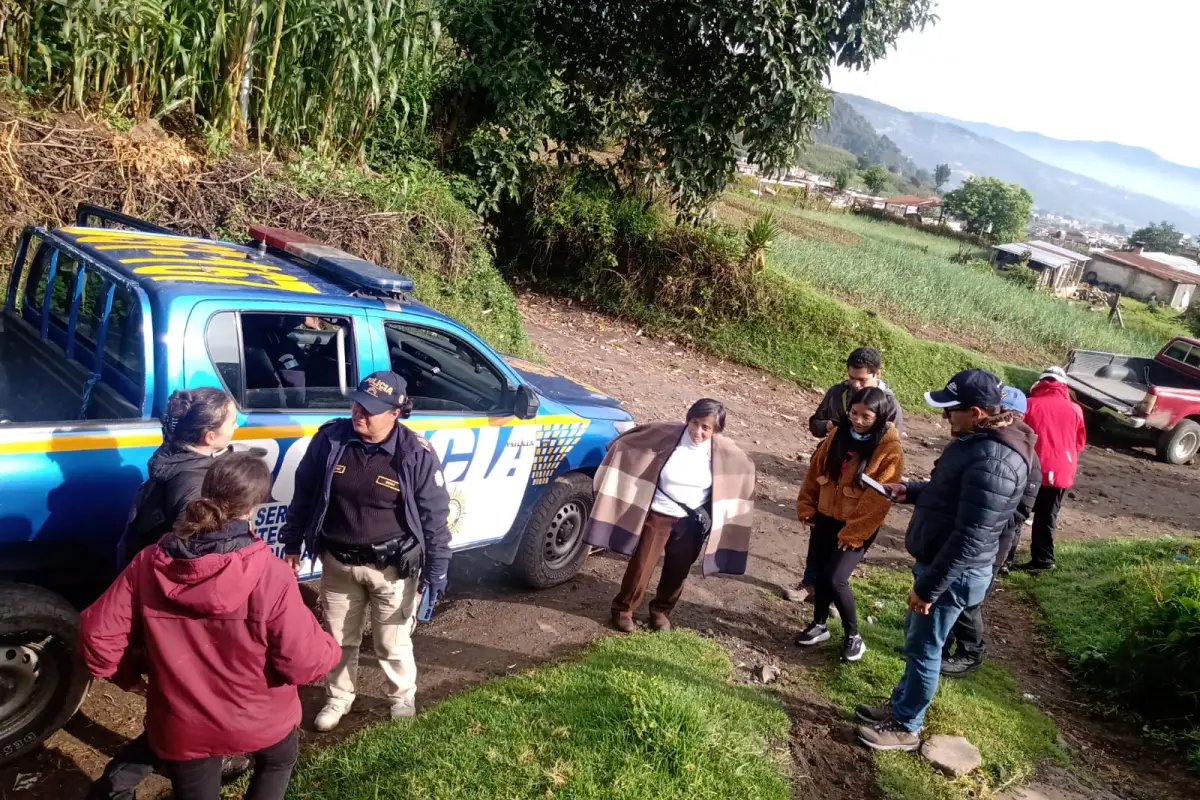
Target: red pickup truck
1159,396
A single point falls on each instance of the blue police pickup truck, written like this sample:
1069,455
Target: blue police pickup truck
103,320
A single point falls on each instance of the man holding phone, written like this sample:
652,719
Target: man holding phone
954,536
371,500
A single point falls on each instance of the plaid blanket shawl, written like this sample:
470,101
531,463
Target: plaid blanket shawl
625,485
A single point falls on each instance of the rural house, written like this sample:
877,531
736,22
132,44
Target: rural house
910,206
1171,280
1059,268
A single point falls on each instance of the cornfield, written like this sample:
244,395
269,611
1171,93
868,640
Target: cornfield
325,73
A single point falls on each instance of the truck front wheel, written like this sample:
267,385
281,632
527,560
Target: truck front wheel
41,683
552,549
1179,445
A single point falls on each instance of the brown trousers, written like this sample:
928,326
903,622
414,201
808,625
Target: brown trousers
677,539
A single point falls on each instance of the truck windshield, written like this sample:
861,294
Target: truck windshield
72,346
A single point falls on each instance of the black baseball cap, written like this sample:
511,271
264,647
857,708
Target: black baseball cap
380,392
971,388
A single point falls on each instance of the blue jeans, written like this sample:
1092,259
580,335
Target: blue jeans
925,636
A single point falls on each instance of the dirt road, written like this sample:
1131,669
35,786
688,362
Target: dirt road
491,626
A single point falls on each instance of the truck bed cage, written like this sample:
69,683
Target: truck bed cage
87,215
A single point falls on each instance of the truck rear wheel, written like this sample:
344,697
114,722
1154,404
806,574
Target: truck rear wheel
41,683
1179,445
552,549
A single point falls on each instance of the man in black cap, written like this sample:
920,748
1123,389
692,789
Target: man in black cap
371,500
954,536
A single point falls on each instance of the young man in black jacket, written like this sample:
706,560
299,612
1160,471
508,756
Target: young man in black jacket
954,536
370,500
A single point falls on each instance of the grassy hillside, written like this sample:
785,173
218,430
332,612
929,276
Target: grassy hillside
907,276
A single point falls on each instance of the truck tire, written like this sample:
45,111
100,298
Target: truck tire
1179,445
552,549
41,682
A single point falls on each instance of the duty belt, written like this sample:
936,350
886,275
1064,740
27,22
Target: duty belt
402,552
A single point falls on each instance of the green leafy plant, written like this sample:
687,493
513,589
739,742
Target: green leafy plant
991,206
760,235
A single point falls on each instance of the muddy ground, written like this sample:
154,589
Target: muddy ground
490,626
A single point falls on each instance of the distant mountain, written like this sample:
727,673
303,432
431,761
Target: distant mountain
930,142
851,131
1134,168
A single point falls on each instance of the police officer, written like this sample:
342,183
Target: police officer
370,499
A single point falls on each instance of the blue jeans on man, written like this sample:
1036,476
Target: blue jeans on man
925,636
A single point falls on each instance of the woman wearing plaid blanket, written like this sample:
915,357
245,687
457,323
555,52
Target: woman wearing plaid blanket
674,490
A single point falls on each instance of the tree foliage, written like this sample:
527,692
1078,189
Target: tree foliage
876,178
991,206
665,86
1161,238
941,174
842,179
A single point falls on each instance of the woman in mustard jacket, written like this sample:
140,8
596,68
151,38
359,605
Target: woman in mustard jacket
843,514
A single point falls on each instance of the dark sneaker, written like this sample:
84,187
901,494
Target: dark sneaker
1005,569
853,648
874,714
1034,568
234,767
813,634
959,666
623,622
889,735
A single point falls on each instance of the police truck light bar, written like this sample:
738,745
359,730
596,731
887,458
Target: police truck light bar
334,262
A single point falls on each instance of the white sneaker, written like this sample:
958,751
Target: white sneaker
329,716
402,709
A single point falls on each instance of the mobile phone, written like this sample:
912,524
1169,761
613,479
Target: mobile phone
871,483
429,599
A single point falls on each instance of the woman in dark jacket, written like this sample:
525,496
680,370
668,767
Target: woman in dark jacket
224,637
198,427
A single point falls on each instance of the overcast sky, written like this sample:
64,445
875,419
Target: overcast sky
1114,70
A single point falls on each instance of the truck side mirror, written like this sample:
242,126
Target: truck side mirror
527,404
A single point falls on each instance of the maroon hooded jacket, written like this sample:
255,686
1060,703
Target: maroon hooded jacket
1061,435
218,624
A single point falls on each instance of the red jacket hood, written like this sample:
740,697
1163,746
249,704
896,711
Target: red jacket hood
217,583
1050,389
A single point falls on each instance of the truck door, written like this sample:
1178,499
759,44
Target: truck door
463,402
288,368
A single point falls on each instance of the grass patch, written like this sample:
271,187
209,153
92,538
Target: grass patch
907,275
643,716
1013,737
1126,615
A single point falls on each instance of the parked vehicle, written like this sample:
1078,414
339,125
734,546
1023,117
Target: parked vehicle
103,320
1159,396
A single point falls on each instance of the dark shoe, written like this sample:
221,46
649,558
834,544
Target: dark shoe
960,666
813,634
1005,569
234,767
887,735
853,648
659,621
1034,568
872,715
623,622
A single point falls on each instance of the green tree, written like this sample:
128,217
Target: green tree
667,86
1161,238
842,179
876,178
941,174
991,206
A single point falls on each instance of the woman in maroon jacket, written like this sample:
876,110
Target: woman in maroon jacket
218,624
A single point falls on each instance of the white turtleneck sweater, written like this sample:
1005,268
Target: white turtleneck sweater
687,477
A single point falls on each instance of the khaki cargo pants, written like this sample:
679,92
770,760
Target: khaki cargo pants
346,593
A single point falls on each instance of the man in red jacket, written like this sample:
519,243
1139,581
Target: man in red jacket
1058,422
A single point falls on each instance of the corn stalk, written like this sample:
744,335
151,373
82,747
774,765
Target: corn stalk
327,73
